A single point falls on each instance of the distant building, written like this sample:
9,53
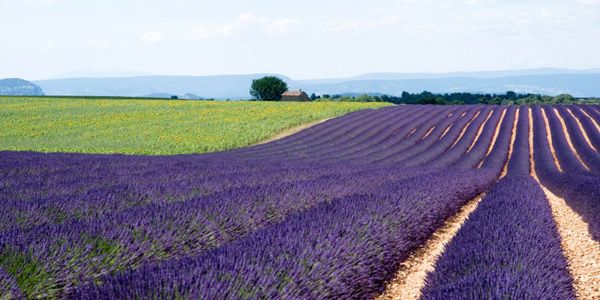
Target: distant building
298,95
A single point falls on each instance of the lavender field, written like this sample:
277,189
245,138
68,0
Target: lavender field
331,212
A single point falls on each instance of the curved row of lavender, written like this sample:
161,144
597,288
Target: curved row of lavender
328,212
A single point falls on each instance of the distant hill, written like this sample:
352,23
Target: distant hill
158,95
19,87
218,87
186,96
483,74
579,85
552,82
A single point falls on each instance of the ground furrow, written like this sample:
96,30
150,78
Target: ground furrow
462,133
568,138
476,139
410,277
550,141
590,118
513,136
582,130
472,158
580,249
494,138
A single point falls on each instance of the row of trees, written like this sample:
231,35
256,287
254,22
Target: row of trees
470,98
507,98
271,88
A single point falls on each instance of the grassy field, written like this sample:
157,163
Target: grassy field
136,126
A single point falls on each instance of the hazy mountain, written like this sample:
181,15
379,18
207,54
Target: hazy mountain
98,74
219,87
548,81
191,96
19,87
481,74
186,96
580,85
158,95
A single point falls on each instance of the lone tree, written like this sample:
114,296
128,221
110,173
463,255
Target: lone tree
268,88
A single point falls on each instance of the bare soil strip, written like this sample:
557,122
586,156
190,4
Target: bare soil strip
591,118
428,133
413,131
446,131
292,131
496,133
410,278
480,131
549,137
462,133
585,135
531,161
512,143
581,251
569,141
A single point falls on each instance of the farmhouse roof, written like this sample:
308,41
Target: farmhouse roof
293,93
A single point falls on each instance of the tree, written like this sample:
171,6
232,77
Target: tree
564,98
313,97
511,95
268,88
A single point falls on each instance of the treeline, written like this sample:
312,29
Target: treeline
507,98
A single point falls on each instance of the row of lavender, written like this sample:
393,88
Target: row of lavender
509,247
126,213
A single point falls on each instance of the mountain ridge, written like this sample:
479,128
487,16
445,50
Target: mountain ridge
19,87
548,81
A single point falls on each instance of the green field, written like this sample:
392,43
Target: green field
138,126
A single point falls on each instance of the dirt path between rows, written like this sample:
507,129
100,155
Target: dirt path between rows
494,138
292,131
580,249
513,137
568,138
549,137
410,277
465,128
591,119
476,139
585,135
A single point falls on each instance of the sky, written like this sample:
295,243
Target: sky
302,39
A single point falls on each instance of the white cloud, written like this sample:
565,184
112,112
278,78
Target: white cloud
152,37
254,36
246,24
474,17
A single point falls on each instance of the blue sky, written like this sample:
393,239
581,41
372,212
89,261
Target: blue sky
302,39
